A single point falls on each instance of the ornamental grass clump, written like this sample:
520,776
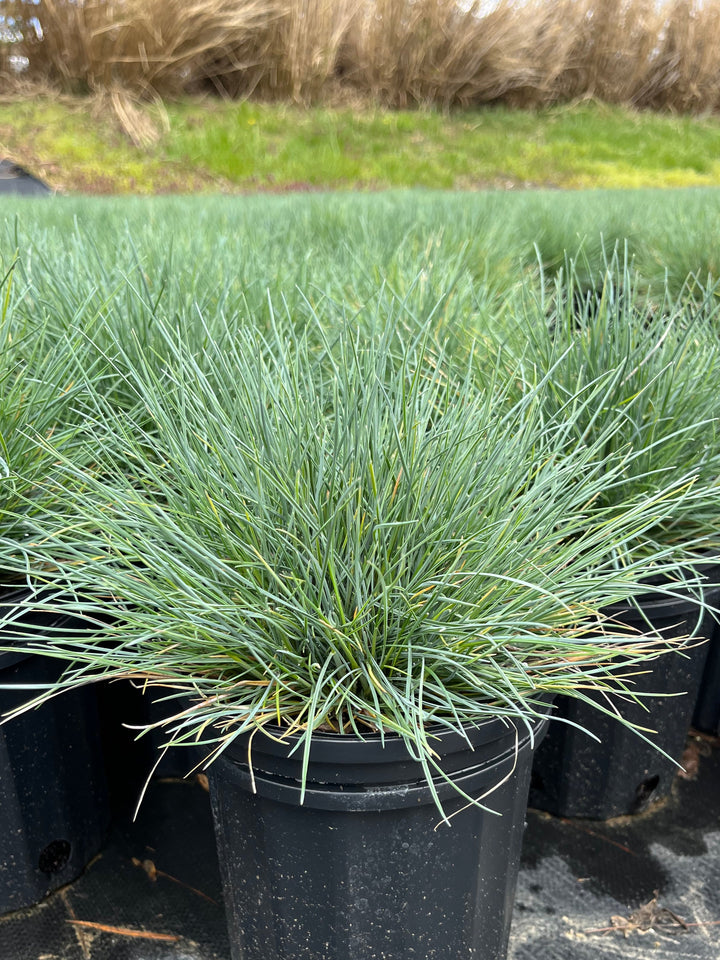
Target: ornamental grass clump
323,532
662,400
36,404
95,316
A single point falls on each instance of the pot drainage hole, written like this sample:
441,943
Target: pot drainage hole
54,857
644,793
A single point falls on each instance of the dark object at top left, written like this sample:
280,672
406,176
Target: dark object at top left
13,179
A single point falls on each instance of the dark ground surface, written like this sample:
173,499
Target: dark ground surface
577,875
158,877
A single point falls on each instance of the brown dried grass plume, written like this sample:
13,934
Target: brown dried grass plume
397,52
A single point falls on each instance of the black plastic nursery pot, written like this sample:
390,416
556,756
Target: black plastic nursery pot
365,867
576,776
126,708
707,708
53,799
15,180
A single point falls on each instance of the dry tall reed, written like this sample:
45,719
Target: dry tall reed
608,48
398,52
141,45
404,52
293,55
685,68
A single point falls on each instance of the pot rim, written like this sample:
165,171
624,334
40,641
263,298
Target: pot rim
335,748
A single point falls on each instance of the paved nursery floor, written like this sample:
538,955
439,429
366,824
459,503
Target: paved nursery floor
587,890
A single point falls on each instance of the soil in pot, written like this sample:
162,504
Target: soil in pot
365,867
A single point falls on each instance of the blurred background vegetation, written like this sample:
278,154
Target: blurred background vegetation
149,96
662,54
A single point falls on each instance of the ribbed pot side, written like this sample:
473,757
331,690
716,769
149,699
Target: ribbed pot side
365,867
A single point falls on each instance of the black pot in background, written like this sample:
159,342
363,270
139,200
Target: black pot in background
131,759
53,797
128,760
364,868
575,776
13,179
707,708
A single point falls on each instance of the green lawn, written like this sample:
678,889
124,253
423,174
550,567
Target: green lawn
238,147
584,146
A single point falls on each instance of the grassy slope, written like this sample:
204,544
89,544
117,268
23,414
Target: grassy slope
214,145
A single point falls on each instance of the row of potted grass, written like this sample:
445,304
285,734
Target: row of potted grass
665,355
358,566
